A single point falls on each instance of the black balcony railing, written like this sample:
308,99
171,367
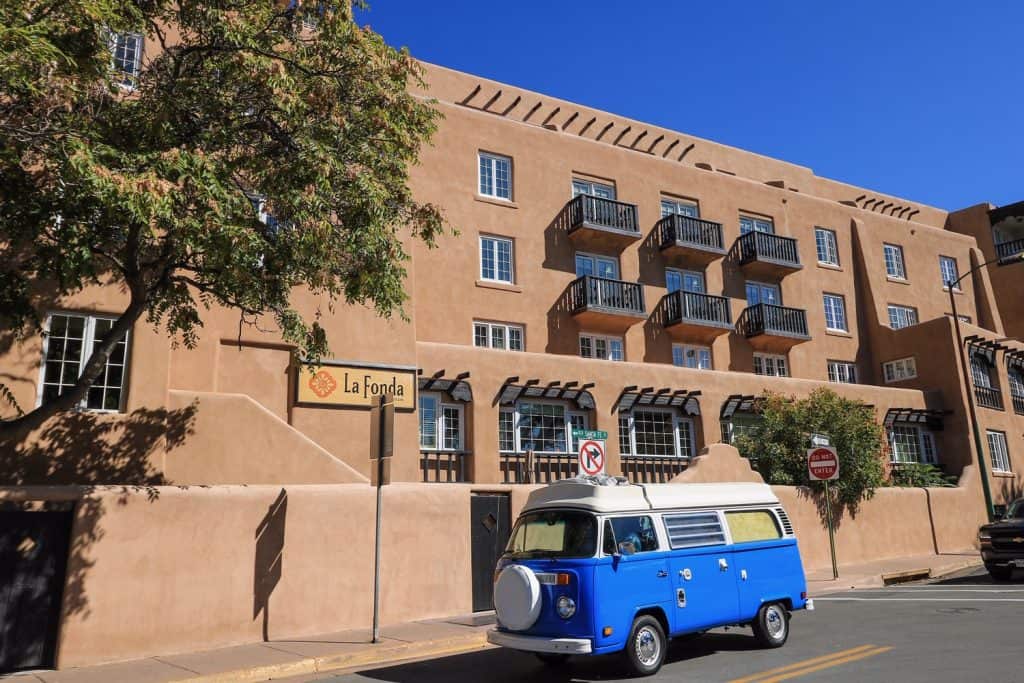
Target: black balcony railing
764,246
1010,248
615,296
652,470
1018,404
773,320
988,397
697,308
444,466
686,231
537,468
603,213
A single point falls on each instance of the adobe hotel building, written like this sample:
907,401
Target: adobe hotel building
609,275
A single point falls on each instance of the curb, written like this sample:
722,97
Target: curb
372,658
880,580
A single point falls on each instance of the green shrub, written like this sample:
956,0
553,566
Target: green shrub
920,475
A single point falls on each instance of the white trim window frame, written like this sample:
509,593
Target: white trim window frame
691,356
998,450
835,312
501,336
126,51
902,316
827,246
497,259
440,434
756,224
598,265
911,444
771,365
899,369
949,271
683,207
678,279
895,265
494,173
518,420
107,394
681,440
842,372
602,347
592,188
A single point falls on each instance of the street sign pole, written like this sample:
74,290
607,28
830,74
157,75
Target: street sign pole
823,465
382,417
831,532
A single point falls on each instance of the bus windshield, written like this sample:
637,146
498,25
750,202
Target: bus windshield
553,533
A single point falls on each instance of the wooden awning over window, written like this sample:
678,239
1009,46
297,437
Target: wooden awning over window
681,399
738,403
932,419
513,390
457,388
988,348
1015,359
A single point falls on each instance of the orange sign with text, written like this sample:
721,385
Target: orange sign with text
355,386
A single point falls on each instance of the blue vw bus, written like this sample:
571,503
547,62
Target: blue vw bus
600,566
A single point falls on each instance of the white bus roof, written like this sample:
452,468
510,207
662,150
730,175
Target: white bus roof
573,493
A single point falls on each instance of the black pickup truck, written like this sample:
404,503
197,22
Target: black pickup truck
1002,542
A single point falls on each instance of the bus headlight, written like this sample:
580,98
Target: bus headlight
565,606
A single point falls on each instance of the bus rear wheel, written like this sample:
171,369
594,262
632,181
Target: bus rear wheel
771,627
646,647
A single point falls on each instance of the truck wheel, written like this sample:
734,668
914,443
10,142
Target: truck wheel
999,572
646,646
771,627
552,659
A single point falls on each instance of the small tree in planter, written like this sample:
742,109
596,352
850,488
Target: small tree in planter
778,445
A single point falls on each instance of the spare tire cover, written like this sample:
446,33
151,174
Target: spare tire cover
517,598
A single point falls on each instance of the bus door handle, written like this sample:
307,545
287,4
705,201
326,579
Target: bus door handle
723,564
662,573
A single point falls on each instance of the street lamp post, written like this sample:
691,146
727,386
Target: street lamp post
1004,261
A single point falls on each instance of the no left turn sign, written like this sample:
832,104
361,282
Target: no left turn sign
591,457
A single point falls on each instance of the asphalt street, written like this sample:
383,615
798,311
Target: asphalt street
961,628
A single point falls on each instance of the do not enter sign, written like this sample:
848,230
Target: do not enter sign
822,463
591,457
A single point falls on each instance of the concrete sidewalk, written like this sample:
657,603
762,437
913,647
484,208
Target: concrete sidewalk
351,650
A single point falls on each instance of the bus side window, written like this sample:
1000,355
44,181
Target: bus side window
638,531
752,525
609,546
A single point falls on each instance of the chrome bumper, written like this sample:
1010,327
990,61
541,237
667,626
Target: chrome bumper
566,646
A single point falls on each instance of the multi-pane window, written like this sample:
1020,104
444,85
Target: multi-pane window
593,189
901,369
539,426
894,265
495,176
1016,378
126,53
950,272
597,346
576,421
902,316
998,451
909,443
825,242
755,224
655,433
684,280
842,372
686,356
496,259
601,266
440,424
761,293
498,336
69,342
981,371
738,425
679,206
835,312
771,365
506,430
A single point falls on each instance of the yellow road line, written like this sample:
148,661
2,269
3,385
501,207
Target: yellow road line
802,664
826,665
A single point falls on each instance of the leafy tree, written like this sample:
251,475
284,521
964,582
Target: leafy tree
156,188
921,475
778,444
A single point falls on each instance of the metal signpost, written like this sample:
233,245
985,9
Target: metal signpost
823,465
591,457
382,440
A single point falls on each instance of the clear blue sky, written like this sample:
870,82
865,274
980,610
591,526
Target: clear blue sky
923,99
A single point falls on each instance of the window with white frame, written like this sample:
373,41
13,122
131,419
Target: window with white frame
599,266
899,370
495,176
950,272
756,224
981,371
539,426
1016,377
835,312
440,423
68,343
496,259
654,432
739,424
894,265
771,365
684,280
126,57
998,451
593,189
842,372
497,335
910,443
686,356
825,243
599,346
902,316
679,206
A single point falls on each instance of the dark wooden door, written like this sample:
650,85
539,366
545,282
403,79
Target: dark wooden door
33,559
490,525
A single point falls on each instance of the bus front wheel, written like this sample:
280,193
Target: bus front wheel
646,646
